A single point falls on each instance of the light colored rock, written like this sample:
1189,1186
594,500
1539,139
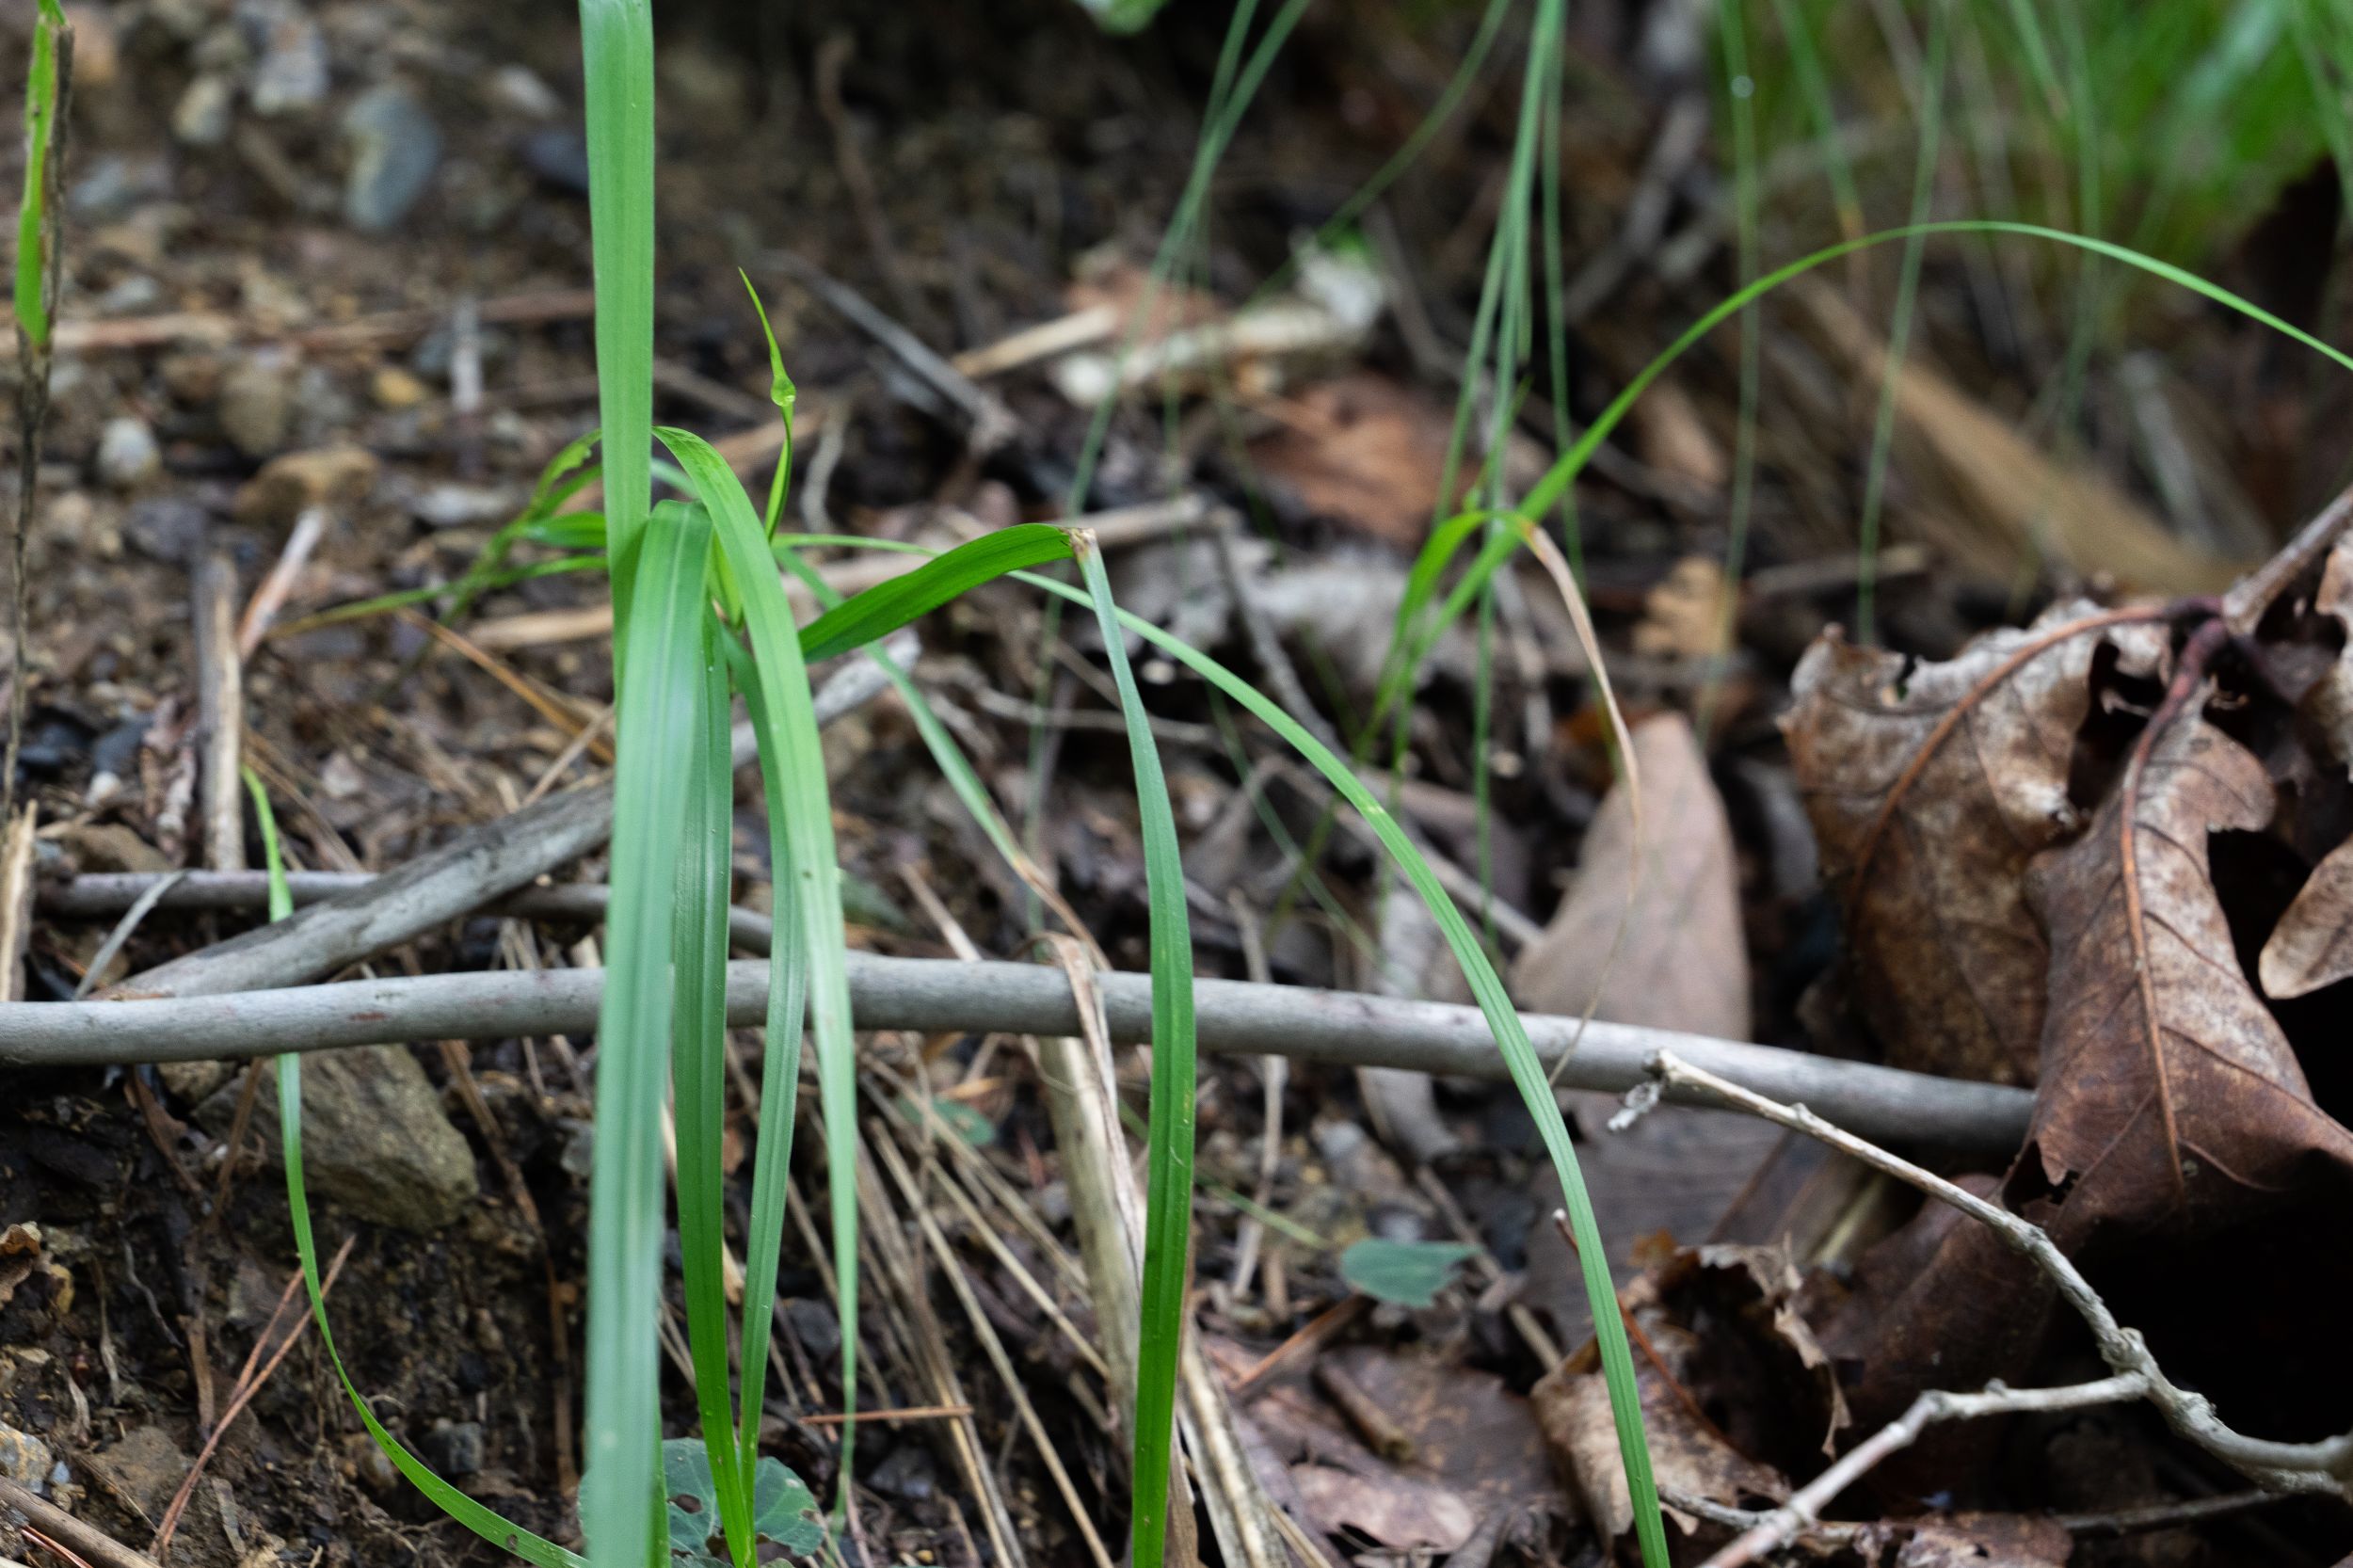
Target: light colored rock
145,1467
395,147
292,74
24,1458
374,1137
339,477
256,404
127,454
202,115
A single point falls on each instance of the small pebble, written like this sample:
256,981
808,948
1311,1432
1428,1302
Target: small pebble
292,74
395,147
201,116
394,388
127,454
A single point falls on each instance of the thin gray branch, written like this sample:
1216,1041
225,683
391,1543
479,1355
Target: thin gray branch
474,869
2325,1467
1803,1509
938,996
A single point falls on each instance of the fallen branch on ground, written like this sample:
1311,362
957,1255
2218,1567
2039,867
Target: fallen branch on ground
1781,1526
479,865
2325,1467
936,996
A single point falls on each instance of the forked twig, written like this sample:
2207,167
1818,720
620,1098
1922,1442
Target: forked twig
1781,1525
2324,1467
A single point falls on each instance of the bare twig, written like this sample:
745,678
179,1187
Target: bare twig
477,867
221,710
2324,1466
1804,1507
85,1541
992,423
16,896
261,609
249,1379
940,995
2244,605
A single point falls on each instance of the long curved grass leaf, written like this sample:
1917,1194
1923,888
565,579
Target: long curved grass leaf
616,64
698,947
887,606
1495,1004
1168,1140
1565,469
1899,329
657,724
491,1527
780,1072
789,749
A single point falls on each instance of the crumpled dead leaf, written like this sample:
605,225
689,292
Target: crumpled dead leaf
1363,450
1931,787
1468,1431
1685,1455
2169,1091
1682,962
2313,944
1402,1512
1967,1541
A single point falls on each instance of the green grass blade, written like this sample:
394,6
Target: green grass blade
499,1531
1168,1143
780,1073
884,608
1740,88
1563,471
1900,330
784,394
791,752
1519,1055
698,947
36,237
622,1512
616,58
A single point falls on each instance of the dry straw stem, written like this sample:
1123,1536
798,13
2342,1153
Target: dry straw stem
942,996
2325,1467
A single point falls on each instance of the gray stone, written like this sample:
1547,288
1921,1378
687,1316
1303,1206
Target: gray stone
453,1447
24,1458
375,1138
127,454
519,90
558,157
291,75
201,116
256,404
395,147
145,1467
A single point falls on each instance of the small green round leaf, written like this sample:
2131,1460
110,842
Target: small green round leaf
1410,1274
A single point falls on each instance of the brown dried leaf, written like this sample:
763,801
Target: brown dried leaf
1931,787
1469,1431
1574,1408
1681,961
2313,944
1402,1512
1365,451
2169,1091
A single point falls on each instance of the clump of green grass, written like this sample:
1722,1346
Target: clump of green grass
701,620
